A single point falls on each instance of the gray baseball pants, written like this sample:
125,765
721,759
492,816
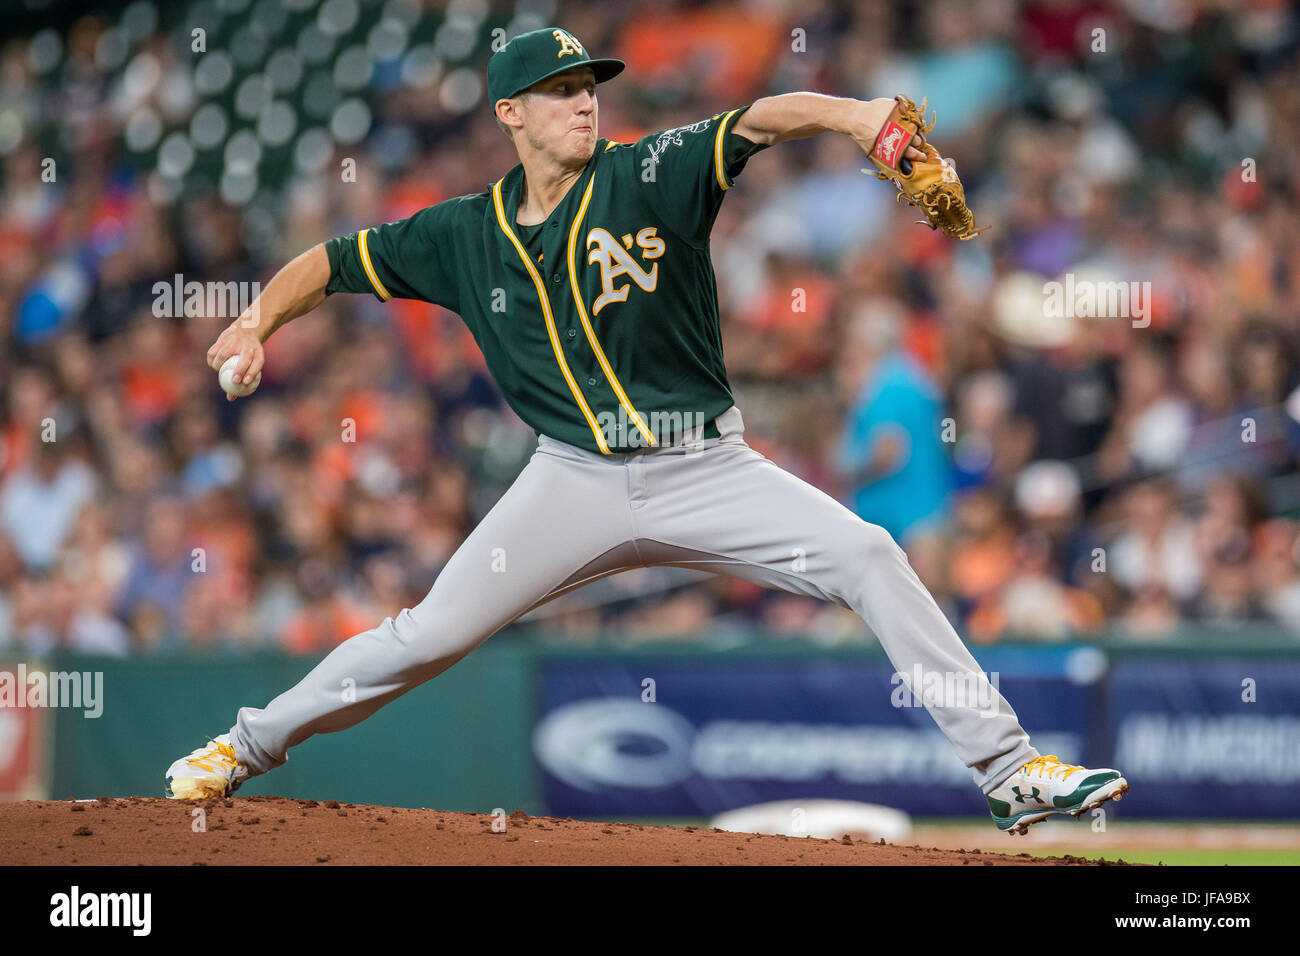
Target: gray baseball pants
573,516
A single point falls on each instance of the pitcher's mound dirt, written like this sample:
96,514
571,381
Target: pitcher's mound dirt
265,831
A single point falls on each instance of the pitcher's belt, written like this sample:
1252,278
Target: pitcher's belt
710,430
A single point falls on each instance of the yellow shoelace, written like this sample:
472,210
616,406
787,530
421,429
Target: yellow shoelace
223,751
1049,765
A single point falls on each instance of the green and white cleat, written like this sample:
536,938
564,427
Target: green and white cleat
1045,786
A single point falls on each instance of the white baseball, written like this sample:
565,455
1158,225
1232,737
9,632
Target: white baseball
227,379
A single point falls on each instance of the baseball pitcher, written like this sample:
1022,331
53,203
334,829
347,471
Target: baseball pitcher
608,345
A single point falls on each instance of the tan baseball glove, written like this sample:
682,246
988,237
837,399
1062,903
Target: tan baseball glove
932,185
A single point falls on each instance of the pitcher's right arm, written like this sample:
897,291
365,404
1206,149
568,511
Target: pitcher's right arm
295,290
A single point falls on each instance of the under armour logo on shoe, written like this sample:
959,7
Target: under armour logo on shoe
1020,797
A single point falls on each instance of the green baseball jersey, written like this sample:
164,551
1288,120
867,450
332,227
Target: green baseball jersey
599,325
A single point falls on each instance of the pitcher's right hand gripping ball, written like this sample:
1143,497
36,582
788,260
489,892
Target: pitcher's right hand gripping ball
932,185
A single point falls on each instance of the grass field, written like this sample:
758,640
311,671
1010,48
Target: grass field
1181,843
1185,856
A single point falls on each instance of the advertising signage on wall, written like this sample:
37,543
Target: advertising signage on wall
1198,736
707,739
1208,736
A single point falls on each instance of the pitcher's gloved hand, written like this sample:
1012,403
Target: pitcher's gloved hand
930,184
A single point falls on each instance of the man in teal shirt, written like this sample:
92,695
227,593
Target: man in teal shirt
892,452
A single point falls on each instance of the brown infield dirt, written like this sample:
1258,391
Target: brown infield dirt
269,831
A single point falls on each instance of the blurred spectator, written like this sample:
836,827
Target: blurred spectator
1275,571
93,627
1050,498
39,502
1152,613
1068,396
1228,598
1034,604
328,616
1152,422
892,454
785,334
162,567
1157,548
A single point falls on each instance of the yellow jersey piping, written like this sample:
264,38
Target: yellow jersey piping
586,323
547,315
364,248
717,151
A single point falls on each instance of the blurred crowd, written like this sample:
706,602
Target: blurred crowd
1051,476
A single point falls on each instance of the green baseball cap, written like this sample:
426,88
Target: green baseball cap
534,56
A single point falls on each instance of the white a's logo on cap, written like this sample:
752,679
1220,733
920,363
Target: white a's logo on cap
567,44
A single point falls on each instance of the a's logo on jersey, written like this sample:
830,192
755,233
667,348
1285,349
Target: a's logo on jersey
615,261
673,137
568,44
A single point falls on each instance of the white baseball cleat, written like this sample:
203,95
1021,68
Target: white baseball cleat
211,771
1045,786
